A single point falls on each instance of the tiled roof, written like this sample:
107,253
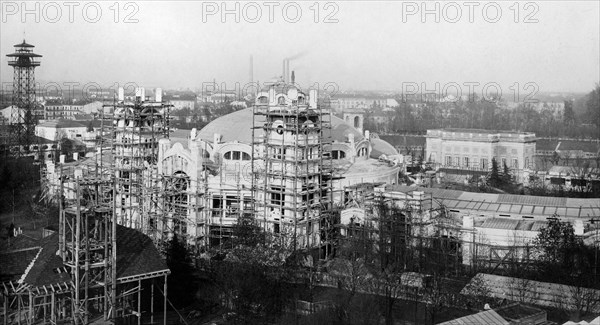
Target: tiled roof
488,317
14,263
43,271
545,145
586,146
136,255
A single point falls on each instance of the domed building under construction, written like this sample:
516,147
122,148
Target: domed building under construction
286,161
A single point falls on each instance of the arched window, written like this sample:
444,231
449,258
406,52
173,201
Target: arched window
280,129
236,155
338,154
263,100
281,100
356,121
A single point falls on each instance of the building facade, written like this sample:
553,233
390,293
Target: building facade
473,149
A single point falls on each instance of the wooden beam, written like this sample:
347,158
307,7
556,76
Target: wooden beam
53,305
152,302
139,302
165,302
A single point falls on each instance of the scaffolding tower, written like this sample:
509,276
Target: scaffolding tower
292,166
136,126
87,245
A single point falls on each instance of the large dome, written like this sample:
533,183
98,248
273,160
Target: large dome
237,126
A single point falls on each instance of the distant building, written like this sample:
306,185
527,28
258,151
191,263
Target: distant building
57,129
342,102
7,117
221,97
53,110
487,227
472,149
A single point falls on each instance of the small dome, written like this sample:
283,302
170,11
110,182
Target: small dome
382,147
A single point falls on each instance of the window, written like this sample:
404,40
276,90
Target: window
356,121
277,197
456,161
503,162
281,100
448,160
276,228
515,163
236,155
466,161
279,153
362,152
279,129
483,162
526,163
338,154
179,226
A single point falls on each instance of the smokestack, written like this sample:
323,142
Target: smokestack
293,78
251,70
287,70
283,74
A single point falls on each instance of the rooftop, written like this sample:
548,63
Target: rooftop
527,205
488,317
38,265
60,123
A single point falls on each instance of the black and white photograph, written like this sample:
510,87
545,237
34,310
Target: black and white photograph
355,162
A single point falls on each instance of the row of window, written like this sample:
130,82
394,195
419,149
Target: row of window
482,163
281,100
236,155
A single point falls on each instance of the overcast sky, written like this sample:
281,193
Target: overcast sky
365,45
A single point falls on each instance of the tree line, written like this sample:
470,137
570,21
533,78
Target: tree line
480,113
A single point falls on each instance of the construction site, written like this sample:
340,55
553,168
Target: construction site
314,183
120,205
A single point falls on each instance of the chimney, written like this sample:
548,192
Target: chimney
121,94
283,72
251,70
140,94
312,98
287,70
293,78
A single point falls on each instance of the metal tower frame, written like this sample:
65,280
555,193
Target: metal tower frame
23,120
